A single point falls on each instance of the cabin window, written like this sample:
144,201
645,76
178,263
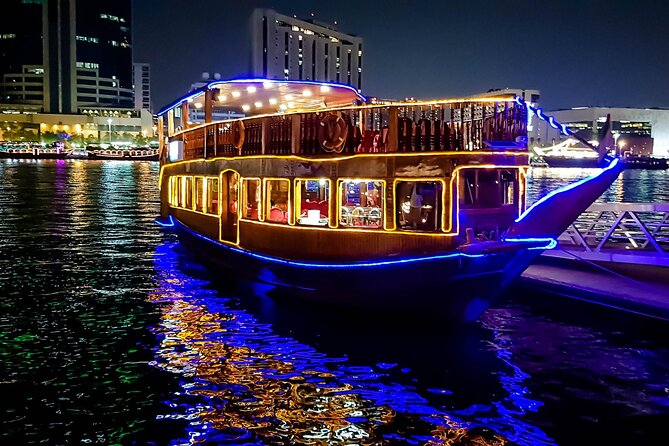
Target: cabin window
361,204
251,199
212,196
276,200
187,193
312,199
507,179
488,188
199,194
419,205
174,191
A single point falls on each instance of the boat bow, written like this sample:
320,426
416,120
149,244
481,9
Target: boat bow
552,215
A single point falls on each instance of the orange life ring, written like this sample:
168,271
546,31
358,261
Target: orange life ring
238,134
332,132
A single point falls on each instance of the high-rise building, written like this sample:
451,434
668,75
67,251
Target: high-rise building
142,86
285,47
59,56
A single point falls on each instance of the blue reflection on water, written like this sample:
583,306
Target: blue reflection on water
245,382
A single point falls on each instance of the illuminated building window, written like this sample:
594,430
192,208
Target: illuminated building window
276,201
113,18
199,194
418,205
361,204
312,201
87,39
7,36
251,199
89,65
212,196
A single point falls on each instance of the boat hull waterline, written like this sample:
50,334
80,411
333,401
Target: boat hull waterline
455,286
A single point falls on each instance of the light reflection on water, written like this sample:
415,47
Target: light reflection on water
247,383
111,333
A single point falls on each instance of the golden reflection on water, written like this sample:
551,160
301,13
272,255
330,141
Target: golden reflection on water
307,407
242,389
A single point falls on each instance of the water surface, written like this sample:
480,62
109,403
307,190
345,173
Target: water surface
112,333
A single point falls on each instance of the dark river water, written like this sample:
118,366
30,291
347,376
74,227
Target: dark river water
111,333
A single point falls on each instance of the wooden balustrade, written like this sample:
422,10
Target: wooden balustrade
406,128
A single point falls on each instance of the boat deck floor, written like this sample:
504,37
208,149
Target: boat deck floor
640,289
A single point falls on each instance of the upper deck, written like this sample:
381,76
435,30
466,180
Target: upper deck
320,120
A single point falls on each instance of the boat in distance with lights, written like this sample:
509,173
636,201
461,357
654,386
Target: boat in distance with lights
395,205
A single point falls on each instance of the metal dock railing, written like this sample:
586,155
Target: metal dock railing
618,232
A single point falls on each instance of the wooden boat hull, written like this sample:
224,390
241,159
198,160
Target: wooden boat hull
453,286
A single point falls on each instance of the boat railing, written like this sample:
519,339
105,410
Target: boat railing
619,232
448,126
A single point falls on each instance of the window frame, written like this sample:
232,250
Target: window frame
267,206
444,202
207,195
297,200
244,202
341,181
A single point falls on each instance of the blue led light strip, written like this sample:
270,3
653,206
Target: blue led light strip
165,225
200,91
549,119
551,244
568,187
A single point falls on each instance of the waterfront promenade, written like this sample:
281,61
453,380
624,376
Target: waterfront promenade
614,254
641,290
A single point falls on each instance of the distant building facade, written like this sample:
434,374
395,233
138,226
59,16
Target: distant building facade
635,130
284,47
61,55
142,86
68,57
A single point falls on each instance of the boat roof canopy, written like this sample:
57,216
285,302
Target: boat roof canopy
263,96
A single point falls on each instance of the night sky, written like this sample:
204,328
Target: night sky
577,52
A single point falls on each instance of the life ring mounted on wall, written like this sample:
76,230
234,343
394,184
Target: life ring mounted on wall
238,131
332,132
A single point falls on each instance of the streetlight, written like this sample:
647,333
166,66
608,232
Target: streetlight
109,121
616,135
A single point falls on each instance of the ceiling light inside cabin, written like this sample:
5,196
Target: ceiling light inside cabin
246,107
236,94
272,101
258,104
306,93
251,89
325,88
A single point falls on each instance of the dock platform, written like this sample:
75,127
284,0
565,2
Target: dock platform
641,289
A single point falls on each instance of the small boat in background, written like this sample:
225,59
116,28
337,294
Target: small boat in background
31,151
144,154
631,161
573,153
